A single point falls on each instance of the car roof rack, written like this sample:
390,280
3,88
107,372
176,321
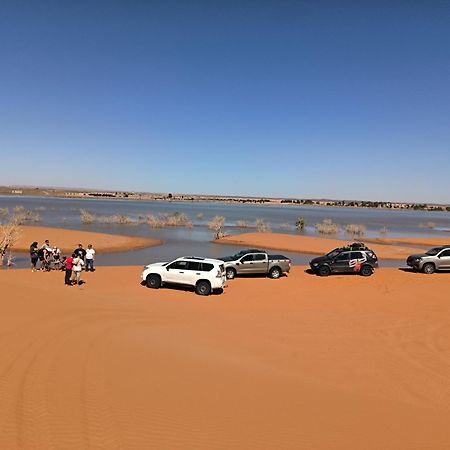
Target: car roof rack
193,257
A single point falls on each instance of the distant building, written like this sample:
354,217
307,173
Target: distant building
17,191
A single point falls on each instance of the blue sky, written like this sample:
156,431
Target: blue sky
307,99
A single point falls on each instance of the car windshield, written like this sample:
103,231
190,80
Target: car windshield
334,252
433,251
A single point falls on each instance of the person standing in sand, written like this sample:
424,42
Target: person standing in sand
90,256
34,255
68,267
80,252
78,264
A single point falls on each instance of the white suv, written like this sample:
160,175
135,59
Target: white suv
204,274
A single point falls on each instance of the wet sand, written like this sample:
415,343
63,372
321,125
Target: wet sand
316,245
68,240
302,362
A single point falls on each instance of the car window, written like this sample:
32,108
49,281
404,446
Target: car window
247,258
207,267
193,265
343,257
356,255
259,257
445,253
179,265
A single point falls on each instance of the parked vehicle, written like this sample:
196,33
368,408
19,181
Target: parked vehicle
204,274
437,258
356,258
255,261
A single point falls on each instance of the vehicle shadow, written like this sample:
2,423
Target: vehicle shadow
344,274
410,270
256,275
182,288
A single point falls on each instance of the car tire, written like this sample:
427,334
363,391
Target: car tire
324,271
428,268
153,281
203,287
230,273
366,271
275,272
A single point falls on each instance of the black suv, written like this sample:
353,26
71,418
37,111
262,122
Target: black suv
354,258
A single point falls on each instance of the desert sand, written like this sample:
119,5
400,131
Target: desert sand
302,362
68,240
316,245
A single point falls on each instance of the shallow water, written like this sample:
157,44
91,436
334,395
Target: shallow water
65,213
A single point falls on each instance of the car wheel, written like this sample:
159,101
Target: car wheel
153,281
275,272
366,271
324,271
428,268
203,288
231,273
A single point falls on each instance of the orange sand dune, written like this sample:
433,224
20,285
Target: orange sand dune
302,362
68,240
309,244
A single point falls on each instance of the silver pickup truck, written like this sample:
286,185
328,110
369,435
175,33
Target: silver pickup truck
256,262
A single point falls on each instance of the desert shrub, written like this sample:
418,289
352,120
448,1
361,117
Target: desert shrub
242,224
327,226
215,225
4,212
300,224
177,220
355,230
169,220
18,209
431,225
262,227
200,216
23,217
86,217
384,230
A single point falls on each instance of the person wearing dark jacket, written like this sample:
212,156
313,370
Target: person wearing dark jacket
34,255
80,252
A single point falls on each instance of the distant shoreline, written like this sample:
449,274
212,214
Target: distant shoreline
17,192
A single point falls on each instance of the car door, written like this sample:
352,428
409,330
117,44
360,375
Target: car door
177,272
246,264
194,272
444,259
341,263
260,263
356,260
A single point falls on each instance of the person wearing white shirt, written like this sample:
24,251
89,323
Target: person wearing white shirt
77,267
90,257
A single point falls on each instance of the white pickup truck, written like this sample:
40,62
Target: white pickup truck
255,261
204,274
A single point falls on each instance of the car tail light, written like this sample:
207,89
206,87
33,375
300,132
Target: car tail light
219,274
290,263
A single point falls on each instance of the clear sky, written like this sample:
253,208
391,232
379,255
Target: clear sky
306,99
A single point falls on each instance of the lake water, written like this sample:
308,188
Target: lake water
65,213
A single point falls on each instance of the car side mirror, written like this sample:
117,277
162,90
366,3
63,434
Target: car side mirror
167,268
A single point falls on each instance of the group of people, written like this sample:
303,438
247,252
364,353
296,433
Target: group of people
50,258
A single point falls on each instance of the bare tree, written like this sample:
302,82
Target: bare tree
9,234
216,225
